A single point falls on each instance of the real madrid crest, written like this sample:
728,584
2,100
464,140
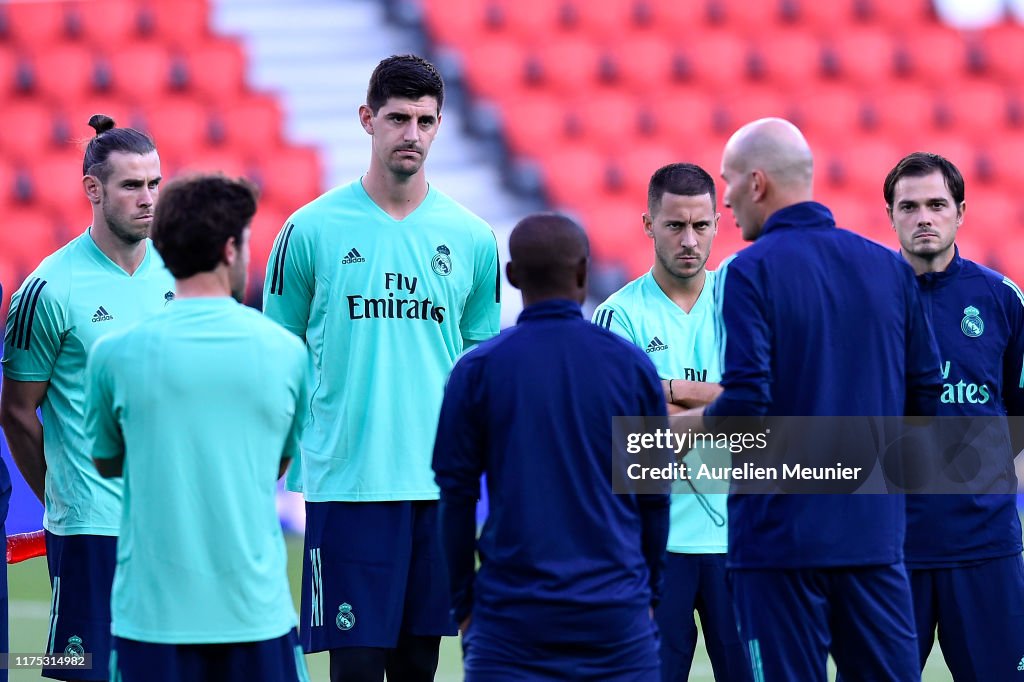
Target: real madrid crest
346,620
74,647
441,263
972,325
168,297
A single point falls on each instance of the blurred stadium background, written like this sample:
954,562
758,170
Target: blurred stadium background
562,104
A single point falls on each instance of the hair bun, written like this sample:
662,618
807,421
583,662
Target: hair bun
101,123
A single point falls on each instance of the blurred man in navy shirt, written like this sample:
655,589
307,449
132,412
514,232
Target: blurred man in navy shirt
569,571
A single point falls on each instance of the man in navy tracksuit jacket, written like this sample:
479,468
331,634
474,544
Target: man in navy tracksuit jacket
569,571
819,322
963,551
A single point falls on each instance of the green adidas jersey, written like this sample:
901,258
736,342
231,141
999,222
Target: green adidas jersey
682,346
74,297
201,558
384,306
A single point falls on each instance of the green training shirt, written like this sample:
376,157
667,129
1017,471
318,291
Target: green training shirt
682,346
203,401
385,306
73,298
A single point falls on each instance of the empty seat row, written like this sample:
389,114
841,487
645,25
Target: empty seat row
450,21
103,23
249,124
212,69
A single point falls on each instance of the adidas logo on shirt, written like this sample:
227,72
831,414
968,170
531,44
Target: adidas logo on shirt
102,315
655,345
353,256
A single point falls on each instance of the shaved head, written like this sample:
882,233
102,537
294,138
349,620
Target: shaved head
549,255
767,165
775,146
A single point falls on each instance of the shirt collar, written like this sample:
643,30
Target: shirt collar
804,215
939,279
556,308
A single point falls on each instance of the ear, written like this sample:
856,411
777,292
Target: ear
648,225
230,252
960,210
714,223
93,189
888,212
581,274
758,184
511,275
366,118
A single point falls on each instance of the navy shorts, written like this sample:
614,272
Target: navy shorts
697,582
979,611
372,571
492,657
272,660
81,577
790,620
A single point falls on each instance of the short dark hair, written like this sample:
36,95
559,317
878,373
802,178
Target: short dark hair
195,217
110,139
684,179
406,76
920,164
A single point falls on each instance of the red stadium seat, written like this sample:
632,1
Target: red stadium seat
495,67
179,23
898,15
251,123
33,24
674,19
739,107
29,130
866,56
1003,47
788,58
979,110
1005,158
608,20
179,125
573,173
682,114
104,23
266,225
453,22
28,236
534,122
226,161
830,111
57,180
644,63
290,176
637,164
216,69
73,115
822,17
64,71
8,185
750,18
569,65
861,164
718,57
524,19
608,118
615,228
140,70
907,111
937,54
